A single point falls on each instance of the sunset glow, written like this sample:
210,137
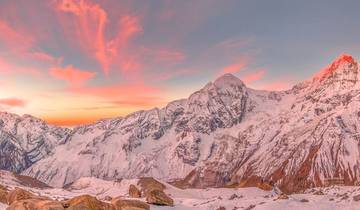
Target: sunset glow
73,62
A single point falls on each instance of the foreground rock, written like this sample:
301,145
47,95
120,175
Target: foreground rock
87,202
120,204
158,197
36,204
3,194
134,192
147,184
19,194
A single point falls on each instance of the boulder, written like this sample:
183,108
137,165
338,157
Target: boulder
264,186
87,202
19,194
158,197
35,204
121,204
134,192
148,184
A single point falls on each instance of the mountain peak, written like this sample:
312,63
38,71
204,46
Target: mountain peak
344,67
342,59
228,79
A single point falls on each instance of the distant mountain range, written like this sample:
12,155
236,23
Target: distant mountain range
225,134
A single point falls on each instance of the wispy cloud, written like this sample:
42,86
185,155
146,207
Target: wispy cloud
90,21
75,77
254,76
12,102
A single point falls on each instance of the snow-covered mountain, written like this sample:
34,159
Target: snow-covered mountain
25,140
226,134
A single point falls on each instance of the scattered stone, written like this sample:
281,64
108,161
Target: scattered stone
158,197
282,196
250,207
134,192
108,198
356,198
221,208
130,205
319,193
304,200
331,199
87,202
36,204
345,197
233,196
18,194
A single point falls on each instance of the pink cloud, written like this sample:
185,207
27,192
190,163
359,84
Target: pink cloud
13,38
10,68
43,56
12,102
75,77
137,95
254,76
237,66
90,20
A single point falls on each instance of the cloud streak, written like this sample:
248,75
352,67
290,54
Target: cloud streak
12,102
75,77
89,20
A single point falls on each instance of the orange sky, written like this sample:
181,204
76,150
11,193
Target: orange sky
72,62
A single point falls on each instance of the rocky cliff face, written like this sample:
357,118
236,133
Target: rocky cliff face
25,140
226,134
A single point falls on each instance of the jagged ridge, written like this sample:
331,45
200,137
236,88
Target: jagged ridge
226,134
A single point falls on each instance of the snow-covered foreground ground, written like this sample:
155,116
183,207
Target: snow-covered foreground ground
205,199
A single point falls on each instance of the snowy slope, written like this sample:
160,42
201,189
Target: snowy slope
226,134
24,140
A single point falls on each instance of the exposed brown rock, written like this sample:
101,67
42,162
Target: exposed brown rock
3,188
19,194
30,182
87,202
282,197
134,192
36,204
221,208
121,204
304,200
148,184
3,194
264,186
158,197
